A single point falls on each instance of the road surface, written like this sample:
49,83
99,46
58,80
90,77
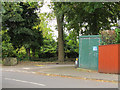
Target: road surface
29,80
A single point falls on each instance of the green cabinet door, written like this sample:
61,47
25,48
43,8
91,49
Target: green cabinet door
88,52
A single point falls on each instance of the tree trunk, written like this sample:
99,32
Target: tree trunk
28,52
33,53
60,38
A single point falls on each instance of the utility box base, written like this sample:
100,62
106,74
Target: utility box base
109,58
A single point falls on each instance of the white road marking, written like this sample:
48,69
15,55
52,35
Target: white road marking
18,71
25,81
26,68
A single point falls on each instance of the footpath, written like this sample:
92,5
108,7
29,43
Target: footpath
63,70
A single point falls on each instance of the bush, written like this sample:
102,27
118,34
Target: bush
110,37
118,35
8,50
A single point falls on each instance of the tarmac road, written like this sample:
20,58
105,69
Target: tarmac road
29,80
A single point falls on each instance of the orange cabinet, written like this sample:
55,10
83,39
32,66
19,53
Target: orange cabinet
109,58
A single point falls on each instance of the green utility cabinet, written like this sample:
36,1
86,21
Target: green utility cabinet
88,51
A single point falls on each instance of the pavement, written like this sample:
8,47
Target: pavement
63,70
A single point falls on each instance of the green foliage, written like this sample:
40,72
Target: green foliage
59,8
117,30
110,37
19,19
7,48
93,16
71,45
49,46
48,49
46,31
24,29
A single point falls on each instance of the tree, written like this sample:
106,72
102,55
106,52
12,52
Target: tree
93,16
59,12
19,19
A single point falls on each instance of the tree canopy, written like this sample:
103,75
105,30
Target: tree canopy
19,19
85,18
93,16
25,27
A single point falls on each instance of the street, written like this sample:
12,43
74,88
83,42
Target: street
29,80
